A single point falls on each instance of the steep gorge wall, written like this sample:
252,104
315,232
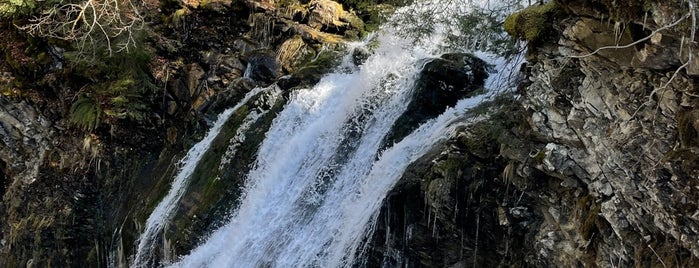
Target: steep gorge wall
599,172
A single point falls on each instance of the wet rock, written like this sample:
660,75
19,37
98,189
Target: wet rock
262,67
360,55
449,210
226,98
312,71
442,82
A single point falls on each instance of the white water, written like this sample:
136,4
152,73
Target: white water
162,213
319,179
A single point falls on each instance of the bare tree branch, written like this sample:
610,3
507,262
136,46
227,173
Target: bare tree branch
90,23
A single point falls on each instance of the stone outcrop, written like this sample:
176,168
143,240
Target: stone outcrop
441,83
26,138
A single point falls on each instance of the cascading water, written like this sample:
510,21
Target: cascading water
158,218
320,175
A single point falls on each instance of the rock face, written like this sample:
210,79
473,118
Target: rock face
599,172
452,208
26,137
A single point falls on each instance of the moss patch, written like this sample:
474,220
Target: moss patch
532,23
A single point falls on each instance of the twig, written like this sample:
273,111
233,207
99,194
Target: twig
636,42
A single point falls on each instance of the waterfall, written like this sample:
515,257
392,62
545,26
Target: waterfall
320,175
158,218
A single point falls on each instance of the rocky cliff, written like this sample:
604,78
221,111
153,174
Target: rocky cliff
592,164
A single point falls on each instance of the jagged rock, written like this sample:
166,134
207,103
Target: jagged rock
591,34
599,133
264,5
25,139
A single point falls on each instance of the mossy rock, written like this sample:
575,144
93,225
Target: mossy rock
588,211
294,53
532,23
312,71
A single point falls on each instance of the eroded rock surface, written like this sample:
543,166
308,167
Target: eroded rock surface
599,172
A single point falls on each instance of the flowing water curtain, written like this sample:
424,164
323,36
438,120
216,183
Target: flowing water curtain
162,213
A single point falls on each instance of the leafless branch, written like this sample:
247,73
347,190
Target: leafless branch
88,23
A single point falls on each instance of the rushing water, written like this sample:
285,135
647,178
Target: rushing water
320,176
162,213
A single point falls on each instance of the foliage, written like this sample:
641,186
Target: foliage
531,23
178,17
14,8
483,29
122,84
85,113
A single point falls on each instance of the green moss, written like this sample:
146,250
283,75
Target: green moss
539,157
213,190
533,22
588,211
121,83
686,159
450,167
371,13
312,71
13,8
178,17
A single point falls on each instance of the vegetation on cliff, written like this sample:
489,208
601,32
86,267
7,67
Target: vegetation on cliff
533,22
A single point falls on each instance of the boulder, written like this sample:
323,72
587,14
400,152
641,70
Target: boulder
443,81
